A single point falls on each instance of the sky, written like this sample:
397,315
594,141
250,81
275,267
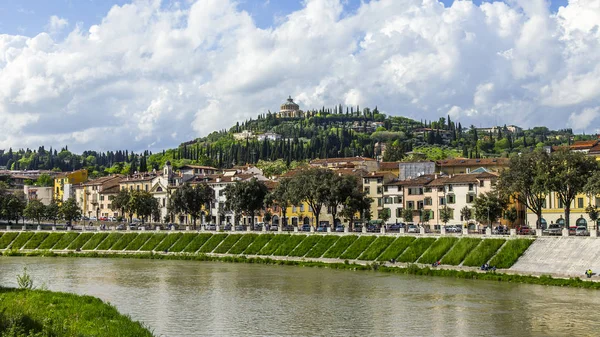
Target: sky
150,74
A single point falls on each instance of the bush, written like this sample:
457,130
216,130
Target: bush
305,245
183,242
437,250
322,246
21,240
510,253
274,244
242,244
124,241
415,250
80,241
461,249
396,248
376,248
198,242
139,241
7,238
212,243
358,247
110,240
229,241
168,242
36,240
153,242
258,243
51,240
94,241
289,245
65,241
483,253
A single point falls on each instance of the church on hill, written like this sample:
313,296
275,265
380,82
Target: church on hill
289,109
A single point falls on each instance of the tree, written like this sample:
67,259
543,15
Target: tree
489,207
446,214
69,211
426,214
466,213
340,188
142,203
281,196
120,202
35,210
385,214
593,213
311,185
511,215
407,214
44,180
246,197
526,180
12,206
357,202
568,175
267,217
190,200
52,212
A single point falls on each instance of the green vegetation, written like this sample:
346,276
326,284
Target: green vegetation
110,240
415,250
80,241
322,246
198,241
457,254
139,241
376,248
226,245
153,242
357,247
396,248
212,243
437,250
7,238
65,241
21,240
258,243
94,241
289,245
168,242
306,245
510,253
124,241
37,313
340,246
274,244
36,240
51,240
242,244
483,253
183,242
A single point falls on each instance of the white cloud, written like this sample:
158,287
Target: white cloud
156,75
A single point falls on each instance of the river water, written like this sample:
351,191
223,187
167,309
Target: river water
187,298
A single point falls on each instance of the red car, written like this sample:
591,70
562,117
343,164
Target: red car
104,218
525,230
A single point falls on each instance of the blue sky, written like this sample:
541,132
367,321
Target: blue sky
31,17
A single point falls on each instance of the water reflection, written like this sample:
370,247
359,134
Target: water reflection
186,298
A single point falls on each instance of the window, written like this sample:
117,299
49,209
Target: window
481,183
385,188
451,199
221,193
470,198
427,189
398,212
397,200
419,204
579,202
431,215
367,190
101,198
163,202
379,190
470,187
442,201
427,202
544,204
146,187
379,202
302,208
410,204
293,209
137,187
379,180
366,180
560,204
450,188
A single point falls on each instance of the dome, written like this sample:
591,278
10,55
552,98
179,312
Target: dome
290,105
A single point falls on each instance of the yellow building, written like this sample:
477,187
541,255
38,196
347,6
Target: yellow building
64,184
554,211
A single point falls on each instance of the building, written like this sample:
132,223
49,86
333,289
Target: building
463,165
92,201
243,135
410,170
367,164
554,212
43,194
289,109
393,199
373,185
64,184
268,136
195,170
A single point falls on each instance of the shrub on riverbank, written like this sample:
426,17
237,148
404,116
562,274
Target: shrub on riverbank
21,240
357,247
242,244
51,240
415,250
437,250
510,253
376,248
396,248
483,253
36,313
305,245
36,240
289,245
168,242
457,254
322,246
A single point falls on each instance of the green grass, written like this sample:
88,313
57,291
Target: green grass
376,248
289,245
51,240
438,249
340,246
415,250
358,247
243,243
510,253
110,240
396,248
198,242
65,241
36,240
183,242
305,245
37,313
94,241
80,241
212,243
457,254
274,244
124,241
322,246
229,241
258,243
483,253
21,240
7,238
139,241
168,242
153,242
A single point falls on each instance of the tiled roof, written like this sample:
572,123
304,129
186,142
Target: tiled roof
387,165
138,177
340,160
473,162
110,190
584,144
101,181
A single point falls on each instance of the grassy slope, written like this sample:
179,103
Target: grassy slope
396,248
229,241
168,242
20,241
510,253
357,247
322,246
183,242
306,245
462,248
415,250
51,240
81,240
438,249
483,253
289,245
242,244
198,242
36,240
376,248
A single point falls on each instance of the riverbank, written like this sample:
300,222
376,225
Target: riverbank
399,268
38,313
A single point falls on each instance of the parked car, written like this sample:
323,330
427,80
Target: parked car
132,226
93,218
111,218
395,226
120,227
211,227
274,228
412,229
372,228
339,228
525,230
258,226
322,229
306,228
143,227
239,228
357,228
227,227
453,229
553,229
500,230
84,218
581,231
288,228
136,220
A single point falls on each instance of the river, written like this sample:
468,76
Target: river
188,298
